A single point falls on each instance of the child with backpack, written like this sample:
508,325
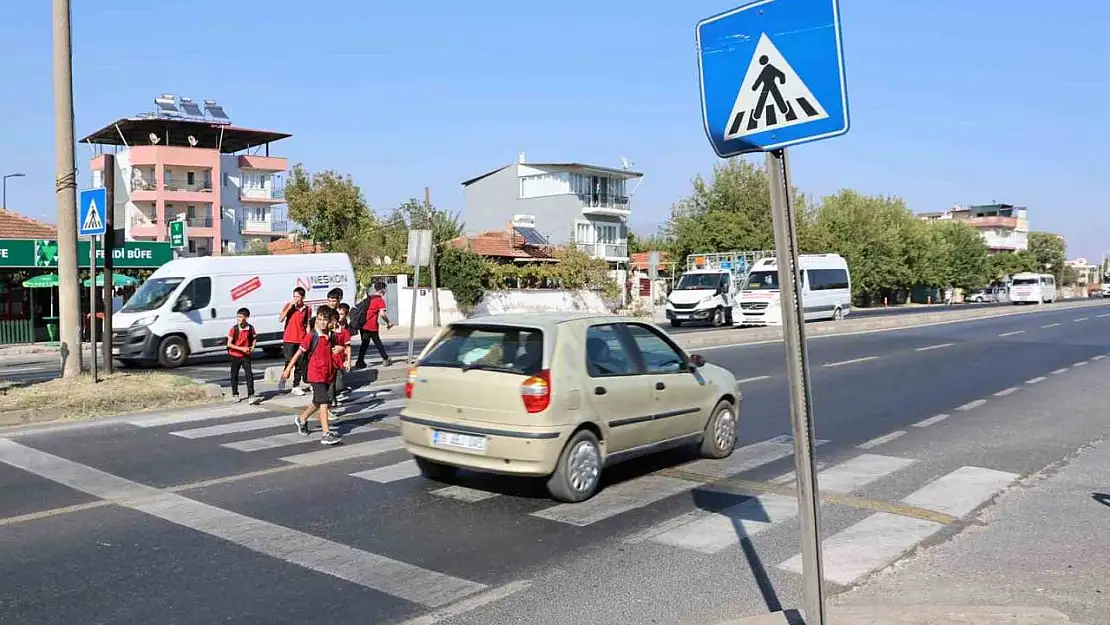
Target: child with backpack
342,356
296,317
241,342
316,352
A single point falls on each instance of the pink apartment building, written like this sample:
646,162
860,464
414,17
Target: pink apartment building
184,161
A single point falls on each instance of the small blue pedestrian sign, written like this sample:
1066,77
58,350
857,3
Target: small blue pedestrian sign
772,76
92,216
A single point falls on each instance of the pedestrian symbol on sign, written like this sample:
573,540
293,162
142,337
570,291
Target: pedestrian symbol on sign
771,96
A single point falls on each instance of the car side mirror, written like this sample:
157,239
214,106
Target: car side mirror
184,304
696,361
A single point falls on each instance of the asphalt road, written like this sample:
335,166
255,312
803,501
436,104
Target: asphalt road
231,519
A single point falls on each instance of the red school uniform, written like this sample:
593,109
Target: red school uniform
296,325
373,308
240,337
321,366
342,339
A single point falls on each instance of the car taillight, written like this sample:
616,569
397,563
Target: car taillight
410,381
535,392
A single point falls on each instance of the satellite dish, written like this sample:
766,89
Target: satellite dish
192,141
624,163
154,139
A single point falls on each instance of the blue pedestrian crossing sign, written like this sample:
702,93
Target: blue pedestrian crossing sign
92,212
772,76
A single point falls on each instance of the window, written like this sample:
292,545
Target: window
606,354
763,280
827,279
225,180
659,355
190,178
1024,281
199,291
583,232
698,281
508,349
542,185
259,214
97,178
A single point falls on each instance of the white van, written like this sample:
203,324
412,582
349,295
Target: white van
826,291
187,306
1032,288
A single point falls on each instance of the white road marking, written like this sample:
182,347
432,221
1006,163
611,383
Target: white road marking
191,415
7,370
347,451
925,349
882,538
711,533
390,473
1037,379
1015,332
1006,391
850,362
1060,370
1103,315
746,458
270,442
971,405
235,428
462,493
1079,320
472,603
1081,363
320,555
1099,357
1051,325
879,440
755,379
924,423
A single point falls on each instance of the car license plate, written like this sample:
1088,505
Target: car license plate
463,441
115,351
681,316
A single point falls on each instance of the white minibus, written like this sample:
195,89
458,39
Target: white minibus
826,291
1032,288
188,305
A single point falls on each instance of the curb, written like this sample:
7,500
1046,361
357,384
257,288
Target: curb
919,615
28,416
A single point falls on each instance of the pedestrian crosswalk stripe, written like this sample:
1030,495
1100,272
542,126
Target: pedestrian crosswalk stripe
390,473
192,415
772,96
347,451
961,491
235,428
462,493
269,442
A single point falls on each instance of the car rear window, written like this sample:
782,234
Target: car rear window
1025,281
494,348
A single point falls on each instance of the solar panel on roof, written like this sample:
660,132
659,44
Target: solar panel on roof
191,108
531,235
215,110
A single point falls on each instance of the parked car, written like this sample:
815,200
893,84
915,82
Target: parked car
561,396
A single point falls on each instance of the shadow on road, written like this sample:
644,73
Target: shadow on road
1102,498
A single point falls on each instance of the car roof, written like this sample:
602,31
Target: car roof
543,320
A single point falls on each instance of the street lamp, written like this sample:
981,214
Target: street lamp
4,203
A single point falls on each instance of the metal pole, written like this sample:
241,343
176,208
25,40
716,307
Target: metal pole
412,316
65,190
92,306
109,252
432,258
797,371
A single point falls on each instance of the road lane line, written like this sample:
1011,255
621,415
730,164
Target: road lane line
925,349
1079,320
971,405
1015,332
1099,357
850,362
406,581
390,473
1081,363
1103,315
755,379
714,532
882,538
1006,391
472,603
879,440
1037,379
924,423
1060,370
1051,325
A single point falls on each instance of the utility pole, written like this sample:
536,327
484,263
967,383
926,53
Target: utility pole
432,261
65,190
109,252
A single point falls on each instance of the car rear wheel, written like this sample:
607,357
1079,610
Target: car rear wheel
436,471
578,474
838,314
719,438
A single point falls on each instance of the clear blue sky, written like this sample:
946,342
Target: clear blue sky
953,101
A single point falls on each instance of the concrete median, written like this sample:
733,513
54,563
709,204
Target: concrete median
919,615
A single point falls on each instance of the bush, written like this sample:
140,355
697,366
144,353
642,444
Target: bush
462,271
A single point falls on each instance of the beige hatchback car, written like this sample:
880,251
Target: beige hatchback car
561,396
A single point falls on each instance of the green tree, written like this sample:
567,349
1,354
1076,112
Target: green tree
1050,253
578,270
1008,263
966,256
462,272
257,247
329,206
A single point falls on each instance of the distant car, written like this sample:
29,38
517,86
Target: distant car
561,396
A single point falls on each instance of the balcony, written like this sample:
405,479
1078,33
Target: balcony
1008,223
608,251
259,194
278,228
203,186
263,163
602,204
192,222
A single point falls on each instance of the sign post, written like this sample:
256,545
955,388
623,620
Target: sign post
92,222
653,276
772,76
179,233
419,254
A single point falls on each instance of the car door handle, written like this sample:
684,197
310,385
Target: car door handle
213,312
600,390
660,386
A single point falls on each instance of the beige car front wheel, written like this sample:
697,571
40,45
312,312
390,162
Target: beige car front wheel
577,477
436,471
719,438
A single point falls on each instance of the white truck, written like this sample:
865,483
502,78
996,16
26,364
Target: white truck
188,305
707,290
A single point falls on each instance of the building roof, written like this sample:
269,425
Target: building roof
300,246
16,226
176,132
503,244
627,173
639,260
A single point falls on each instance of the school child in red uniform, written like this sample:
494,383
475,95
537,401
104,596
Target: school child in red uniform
241,342
342,332
316,352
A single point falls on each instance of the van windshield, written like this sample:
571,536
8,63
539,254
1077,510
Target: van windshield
494,348
760,280
698,281
152,294
1025,281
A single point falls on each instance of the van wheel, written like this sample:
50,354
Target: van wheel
173,352
578,474
719,317
838,314
436,471
675,323
719,438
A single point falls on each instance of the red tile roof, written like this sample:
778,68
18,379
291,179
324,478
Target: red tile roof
502,244
16,226
288,246
639,260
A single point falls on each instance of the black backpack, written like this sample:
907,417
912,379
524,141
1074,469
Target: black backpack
316,341
358,315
